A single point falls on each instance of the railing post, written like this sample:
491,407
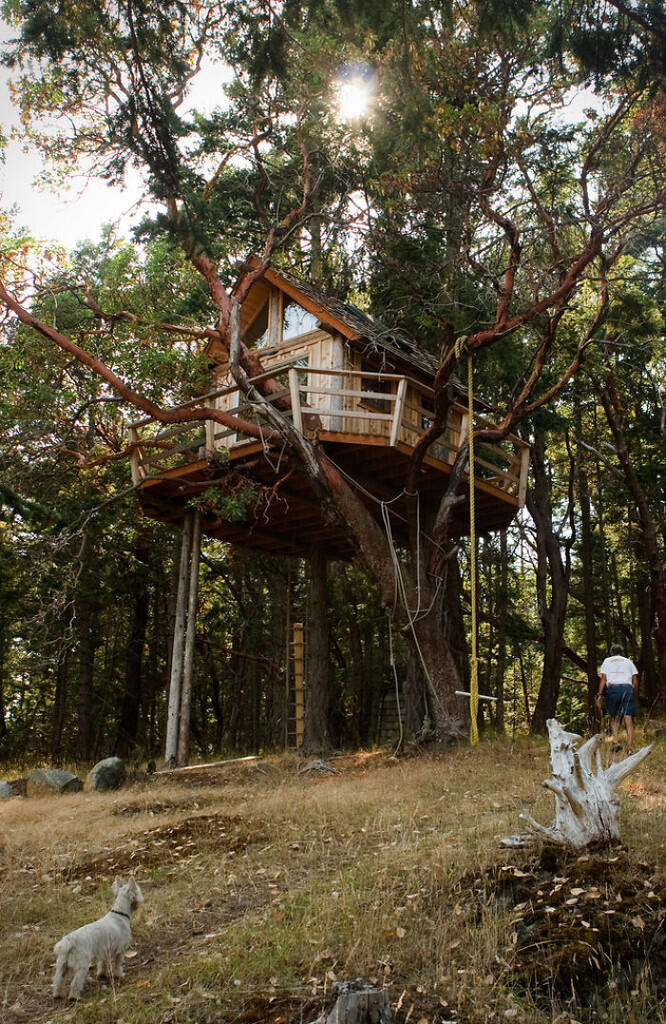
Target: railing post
398,411
295,399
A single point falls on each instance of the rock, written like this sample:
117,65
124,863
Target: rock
107,774
320,767
52,780
5,790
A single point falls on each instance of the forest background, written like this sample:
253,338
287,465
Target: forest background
507,152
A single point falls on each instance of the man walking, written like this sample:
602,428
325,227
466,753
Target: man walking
619,682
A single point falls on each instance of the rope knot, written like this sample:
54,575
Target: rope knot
461,346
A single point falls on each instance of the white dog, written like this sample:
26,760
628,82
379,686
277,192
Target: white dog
104,941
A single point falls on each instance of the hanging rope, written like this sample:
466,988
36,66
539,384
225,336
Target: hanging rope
461,346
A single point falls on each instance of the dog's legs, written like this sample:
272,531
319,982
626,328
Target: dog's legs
59,978
118,970
80,966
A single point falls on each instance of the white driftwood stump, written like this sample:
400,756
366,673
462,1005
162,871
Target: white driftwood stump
586,802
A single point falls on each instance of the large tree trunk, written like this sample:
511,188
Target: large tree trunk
651,549
553,609
86,612
3,721
587,568
183,755
60,703
502,604
131,700
315,724
647,664
418,611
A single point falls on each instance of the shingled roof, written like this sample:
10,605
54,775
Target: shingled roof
378,338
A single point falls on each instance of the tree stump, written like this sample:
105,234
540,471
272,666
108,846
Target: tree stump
586,802
364,1005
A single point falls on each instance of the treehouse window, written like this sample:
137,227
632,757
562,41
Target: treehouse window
375,384
296,321
256,336
427,412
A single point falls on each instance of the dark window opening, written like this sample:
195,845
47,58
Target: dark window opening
257,333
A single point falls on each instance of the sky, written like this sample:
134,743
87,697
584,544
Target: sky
78,212
73,214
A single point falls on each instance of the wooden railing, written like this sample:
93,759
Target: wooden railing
351,403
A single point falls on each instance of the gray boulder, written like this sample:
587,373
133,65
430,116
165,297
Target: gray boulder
5,790
52,780
107,774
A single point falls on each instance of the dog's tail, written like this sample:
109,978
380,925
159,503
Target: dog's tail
62,948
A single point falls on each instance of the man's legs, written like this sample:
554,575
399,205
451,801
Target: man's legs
629,726
615,728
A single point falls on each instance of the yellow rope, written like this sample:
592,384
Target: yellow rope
461,346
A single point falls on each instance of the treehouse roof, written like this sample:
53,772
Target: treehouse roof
386,344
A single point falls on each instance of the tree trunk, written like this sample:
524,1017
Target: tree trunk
315,725
3,720
647,665
552,611
415,703
587,571
86,617
503,604
60,704
650,538
418,612
183,755
131,700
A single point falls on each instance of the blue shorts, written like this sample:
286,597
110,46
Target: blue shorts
620,700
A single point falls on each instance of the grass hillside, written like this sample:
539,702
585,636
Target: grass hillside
263,888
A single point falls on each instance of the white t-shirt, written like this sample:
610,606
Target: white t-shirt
618,671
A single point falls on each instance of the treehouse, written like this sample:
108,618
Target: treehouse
359,389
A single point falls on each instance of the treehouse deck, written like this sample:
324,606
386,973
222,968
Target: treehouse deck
253,495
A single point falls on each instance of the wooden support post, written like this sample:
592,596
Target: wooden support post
299,681
295,399
336,384
183,755
398,410
171,744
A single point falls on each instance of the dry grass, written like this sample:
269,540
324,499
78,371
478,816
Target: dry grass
262,890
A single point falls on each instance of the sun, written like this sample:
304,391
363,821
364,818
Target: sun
354,94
